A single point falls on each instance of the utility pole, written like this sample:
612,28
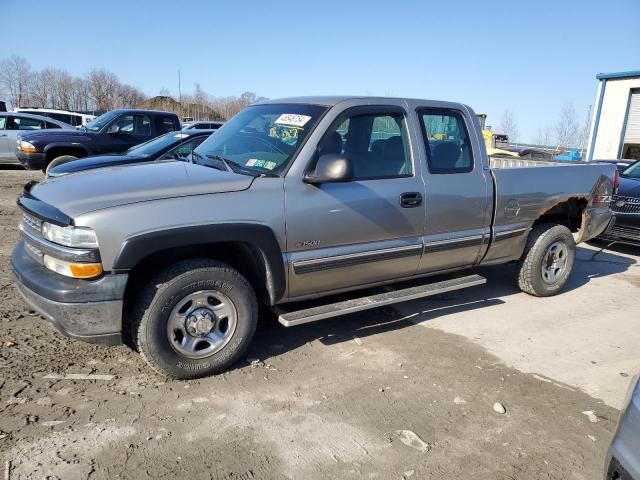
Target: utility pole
179,95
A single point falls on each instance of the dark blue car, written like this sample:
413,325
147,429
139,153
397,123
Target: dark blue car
173,145
625,205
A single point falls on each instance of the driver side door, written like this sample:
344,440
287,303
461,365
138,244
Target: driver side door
369,230
125,132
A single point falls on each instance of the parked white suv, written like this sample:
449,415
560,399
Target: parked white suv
72,118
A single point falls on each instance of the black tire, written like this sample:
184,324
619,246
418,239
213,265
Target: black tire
163,294
542,238
58,161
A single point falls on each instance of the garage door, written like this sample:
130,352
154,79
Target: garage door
632,130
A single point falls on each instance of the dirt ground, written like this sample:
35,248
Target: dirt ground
344,398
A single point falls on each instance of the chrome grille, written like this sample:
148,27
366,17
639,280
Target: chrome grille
33,223
625,204
624,232
33,251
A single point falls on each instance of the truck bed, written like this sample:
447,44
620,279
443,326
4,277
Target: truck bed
496,162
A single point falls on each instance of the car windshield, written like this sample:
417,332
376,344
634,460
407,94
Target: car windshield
632,171
157,144
261,138
97,124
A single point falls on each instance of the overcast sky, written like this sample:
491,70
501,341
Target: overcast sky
527,56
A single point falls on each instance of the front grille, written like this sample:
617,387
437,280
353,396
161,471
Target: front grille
33,223
34,252
624,232
625,204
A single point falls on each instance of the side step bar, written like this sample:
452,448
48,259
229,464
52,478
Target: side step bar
298,317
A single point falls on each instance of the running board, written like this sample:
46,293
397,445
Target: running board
298,317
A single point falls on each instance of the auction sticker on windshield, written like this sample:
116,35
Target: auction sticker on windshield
292,119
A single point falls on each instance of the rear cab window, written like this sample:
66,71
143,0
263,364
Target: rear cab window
446,141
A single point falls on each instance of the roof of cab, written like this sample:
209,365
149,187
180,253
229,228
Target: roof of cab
330,101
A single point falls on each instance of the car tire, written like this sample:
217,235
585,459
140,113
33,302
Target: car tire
195,318
547,260
58,161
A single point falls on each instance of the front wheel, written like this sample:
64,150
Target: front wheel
547,261
196,318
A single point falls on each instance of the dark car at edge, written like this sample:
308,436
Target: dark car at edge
625,205
170,146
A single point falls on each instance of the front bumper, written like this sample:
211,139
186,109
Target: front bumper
32,161
623,229
85,310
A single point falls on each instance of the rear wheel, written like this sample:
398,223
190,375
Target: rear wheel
547,261
194,319
58,161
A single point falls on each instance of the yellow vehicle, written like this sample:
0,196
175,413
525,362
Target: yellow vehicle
495,142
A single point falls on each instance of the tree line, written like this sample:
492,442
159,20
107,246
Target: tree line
566,132
101,90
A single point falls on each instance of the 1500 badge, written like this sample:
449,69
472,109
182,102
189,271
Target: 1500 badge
308,243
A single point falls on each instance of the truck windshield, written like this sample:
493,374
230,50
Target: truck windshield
632,171
97,124
261,138
153,146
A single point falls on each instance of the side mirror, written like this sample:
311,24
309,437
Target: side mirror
330,168
113,129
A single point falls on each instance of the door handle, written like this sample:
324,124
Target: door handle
3,134
410,199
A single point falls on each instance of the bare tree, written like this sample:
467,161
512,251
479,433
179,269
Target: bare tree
15,79
103,86
567,130
509,126
544,136
585,130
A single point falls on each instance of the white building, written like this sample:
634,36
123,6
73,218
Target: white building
615,130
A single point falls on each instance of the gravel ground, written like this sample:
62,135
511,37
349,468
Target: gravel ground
369,395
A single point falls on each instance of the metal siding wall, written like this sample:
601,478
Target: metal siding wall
632,130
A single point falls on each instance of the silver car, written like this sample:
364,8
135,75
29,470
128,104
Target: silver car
12,123
623,457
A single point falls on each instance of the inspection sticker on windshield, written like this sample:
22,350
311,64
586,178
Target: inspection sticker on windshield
251,162
270,165
292,119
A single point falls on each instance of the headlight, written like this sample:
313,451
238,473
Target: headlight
73,270
27,147
80,237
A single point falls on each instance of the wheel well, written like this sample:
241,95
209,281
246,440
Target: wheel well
568,213
244,257
58,151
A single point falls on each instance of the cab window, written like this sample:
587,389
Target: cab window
24,123
134,125
446,141
184,150
375,143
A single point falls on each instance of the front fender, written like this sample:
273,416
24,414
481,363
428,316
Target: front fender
77,146
260,237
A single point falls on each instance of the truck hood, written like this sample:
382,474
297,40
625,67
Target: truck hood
91,190
629,187
55,134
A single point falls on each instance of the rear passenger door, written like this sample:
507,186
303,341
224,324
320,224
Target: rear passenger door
459,191
345,235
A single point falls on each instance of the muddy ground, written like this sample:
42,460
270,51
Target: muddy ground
326,400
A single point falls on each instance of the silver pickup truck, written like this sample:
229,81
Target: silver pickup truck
292,200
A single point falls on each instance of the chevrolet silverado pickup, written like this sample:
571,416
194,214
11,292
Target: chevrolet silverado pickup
293,200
